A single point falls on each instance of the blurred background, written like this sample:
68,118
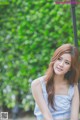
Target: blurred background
30,31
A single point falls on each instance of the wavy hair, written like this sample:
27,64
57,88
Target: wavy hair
72,76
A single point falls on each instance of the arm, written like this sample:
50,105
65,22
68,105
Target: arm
38,96
75,104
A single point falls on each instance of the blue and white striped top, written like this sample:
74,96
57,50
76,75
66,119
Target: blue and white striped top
62,104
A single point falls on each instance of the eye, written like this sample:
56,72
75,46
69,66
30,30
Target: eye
67,63
59,58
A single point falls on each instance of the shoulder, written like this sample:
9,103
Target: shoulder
75,90
36,86
76,94
74,86
36,82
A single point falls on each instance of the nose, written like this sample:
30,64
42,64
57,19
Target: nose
61,63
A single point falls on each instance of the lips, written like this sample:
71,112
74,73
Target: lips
59,69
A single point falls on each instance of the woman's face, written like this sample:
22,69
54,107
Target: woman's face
63,64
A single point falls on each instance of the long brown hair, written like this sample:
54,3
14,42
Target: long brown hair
72,75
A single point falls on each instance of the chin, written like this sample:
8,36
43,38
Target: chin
58,73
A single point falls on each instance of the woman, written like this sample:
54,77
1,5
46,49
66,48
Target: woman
56,94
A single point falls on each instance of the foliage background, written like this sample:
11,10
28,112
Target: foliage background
30,31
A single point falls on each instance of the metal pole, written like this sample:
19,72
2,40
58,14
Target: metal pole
73,5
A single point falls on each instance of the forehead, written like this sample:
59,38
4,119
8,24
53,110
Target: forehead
66,56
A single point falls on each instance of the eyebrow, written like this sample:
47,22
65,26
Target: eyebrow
65,59
68,60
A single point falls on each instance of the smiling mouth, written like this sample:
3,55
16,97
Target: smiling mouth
59,69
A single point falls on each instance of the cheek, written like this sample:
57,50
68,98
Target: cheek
55,64
54,67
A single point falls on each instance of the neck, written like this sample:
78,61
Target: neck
58,79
